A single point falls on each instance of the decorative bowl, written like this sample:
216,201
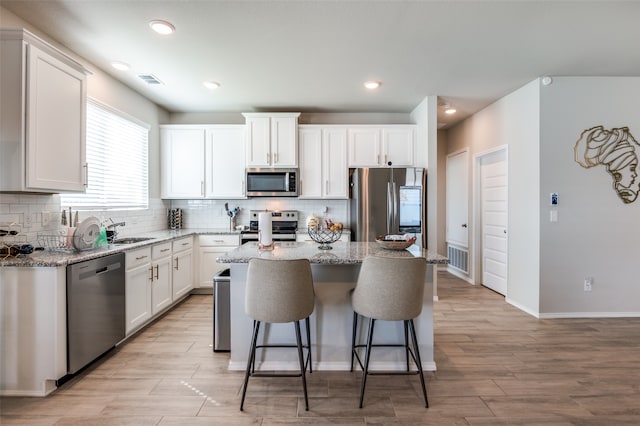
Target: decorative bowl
324,236
395,244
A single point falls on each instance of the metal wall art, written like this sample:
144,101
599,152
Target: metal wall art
618,151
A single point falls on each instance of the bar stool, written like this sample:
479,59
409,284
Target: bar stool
389,289
279,291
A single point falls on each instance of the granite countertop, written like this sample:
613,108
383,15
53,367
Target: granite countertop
342,253
53,258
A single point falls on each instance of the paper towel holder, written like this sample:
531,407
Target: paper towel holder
264,246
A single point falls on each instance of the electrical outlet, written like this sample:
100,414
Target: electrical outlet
46,218
588,284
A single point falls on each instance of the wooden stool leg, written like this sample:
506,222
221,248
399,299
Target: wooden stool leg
419,362
302,367
366,360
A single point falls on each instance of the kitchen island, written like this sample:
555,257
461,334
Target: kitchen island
335,273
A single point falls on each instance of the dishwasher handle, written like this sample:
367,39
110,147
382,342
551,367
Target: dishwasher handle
101,270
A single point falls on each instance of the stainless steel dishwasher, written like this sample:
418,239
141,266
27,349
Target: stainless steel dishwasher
95,309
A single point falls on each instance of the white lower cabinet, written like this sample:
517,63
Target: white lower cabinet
210,248
161,294
182,267
138,277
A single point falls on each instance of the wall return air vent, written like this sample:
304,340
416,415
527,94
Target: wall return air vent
150,78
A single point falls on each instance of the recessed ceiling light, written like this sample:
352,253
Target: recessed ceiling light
371,85
211,84
120,66
448,109
162,27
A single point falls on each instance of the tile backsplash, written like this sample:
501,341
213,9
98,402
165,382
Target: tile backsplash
211,213
42,213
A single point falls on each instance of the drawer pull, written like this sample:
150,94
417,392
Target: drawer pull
141,257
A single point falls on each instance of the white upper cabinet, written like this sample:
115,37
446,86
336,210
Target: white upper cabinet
398,145
377,146
182,159
42,117
202,161
323,162
272,139
225,162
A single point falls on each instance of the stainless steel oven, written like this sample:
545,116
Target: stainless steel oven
284,225
272,182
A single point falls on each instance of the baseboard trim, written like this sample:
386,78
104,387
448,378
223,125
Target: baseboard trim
559,315
523,308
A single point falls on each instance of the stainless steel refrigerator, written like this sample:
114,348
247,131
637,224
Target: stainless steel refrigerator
386,201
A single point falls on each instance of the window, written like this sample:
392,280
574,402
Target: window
117,153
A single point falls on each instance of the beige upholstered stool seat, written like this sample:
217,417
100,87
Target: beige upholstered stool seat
279,291
389,289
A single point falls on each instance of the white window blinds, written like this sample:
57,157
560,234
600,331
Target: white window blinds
117,154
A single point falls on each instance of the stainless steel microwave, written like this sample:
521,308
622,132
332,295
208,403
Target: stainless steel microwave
272,182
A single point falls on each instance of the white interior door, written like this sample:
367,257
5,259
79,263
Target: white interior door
493,196
458,199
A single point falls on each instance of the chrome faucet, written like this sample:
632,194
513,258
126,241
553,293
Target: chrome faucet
113,226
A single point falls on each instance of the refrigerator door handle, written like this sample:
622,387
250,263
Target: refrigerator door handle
390,207
396,214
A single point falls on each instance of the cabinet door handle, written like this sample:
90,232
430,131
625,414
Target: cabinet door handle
202,188
275,158
86,174
157,271
177,265
268,157
151,273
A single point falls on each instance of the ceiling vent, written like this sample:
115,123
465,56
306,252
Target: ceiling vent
149,78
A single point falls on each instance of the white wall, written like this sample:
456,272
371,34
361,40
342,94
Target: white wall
596,234
424,116
19,208
512,121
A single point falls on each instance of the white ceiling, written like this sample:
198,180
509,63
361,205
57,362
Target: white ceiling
313,56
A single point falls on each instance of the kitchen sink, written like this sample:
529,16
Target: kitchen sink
131,240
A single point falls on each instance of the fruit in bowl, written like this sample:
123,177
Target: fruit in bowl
395,243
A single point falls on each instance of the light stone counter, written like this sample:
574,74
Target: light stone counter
334,274
342,253
54,258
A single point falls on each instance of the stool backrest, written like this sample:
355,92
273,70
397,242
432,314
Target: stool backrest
390,289
279,290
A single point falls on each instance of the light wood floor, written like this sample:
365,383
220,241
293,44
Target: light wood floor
496,365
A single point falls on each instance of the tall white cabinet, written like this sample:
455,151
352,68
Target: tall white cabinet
42,117
323,162
377,146
225,162
272,139
202,161
182,157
